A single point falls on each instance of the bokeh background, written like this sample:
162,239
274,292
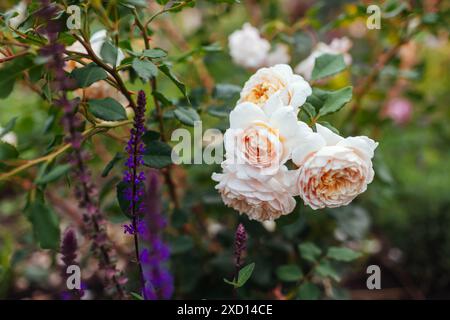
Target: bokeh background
402,222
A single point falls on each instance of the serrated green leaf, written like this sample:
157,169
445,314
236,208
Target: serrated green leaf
145,69
244,274
342,254
289,273
309,251
53,174
187,116
327,65
107,109
336,100
88,75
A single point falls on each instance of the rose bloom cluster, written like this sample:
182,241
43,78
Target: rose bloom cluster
265,134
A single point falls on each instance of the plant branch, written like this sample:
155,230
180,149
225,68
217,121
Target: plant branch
112,71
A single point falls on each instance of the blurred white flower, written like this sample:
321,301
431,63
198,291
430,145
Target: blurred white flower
337,46
10,138
280,55
333,170
191,19
279,79
21,10
247,47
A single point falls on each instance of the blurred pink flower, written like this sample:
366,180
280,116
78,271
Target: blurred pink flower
399,110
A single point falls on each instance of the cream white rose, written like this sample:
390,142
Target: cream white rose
337,46
333,170
260,142
259,200
291,88
247,47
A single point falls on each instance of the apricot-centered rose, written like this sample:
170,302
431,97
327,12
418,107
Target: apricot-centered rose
259,143
332,170
279,79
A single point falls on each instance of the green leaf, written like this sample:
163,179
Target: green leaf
234,284
186,116
89,74
325,269
45,225
244,274
162,98
327,65
342,254
136,296
145,69
7,151
154,53
109,53
168,72
53,174
226,91
10,72
309,251
149,136
308,291
157,155
124,204
117,158
289,273
336,100
329,126
219,111
8,127
107,109
309,110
